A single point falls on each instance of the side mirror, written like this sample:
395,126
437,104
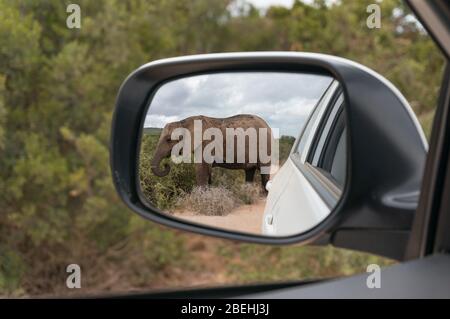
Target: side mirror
270,148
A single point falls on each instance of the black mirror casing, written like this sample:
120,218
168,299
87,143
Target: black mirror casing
386,149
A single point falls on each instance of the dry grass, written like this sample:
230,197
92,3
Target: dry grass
212,201
247,193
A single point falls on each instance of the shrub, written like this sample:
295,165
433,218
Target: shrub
247,193
163,191
11,269
229,177
213,201
285,145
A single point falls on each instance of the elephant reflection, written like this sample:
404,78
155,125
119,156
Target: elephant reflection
237,142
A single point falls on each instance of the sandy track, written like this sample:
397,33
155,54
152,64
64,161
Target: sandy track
245,218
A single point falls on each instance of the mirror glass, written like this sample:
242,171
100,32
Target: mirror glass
253,152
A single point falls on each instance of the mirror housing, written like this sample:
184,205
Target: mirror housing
386,149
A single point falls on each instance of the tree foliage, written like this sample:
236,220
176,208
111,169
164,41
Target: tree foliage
57,92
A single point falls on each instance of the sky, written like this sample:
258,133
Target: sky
283,100
268,3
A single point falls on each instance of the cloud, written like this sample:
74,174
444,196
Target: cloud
268,3
159,120
284,100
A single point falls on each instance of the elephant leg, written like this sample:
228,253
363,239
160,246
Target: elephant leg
250,175
264,180
202,174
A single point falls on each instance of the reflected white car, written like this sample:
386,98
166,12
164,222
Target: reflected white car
309,184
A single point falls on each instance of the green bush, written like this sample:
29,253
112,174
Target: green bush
252,263
11,270
247,193
57,94
163,192
285,145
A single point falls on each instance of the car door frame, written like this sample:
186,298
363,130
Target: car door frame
433,213
329,191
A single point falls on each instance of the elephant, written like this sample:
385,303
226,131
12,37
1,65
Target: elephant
249,162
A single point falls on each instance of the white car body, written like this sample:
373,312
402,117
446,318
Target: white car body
293,205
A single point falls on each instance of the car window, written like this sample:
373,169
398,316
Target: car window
325,166
324,132
308,133
328,154
339,164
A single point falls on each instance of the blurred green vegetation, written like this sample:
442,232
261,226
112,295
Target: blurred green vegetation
249,263
57,92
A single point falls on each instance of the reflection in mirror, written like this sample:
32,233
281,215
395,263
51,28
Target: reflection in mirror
254,152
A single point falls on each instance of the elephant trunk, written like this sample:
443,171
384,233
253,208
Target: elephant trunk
156,169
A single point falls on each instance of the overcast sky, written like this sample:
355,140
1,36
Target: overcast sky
268,3
283,100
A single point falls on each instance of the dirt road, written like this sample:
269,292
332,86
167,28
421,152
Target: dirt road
245,218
